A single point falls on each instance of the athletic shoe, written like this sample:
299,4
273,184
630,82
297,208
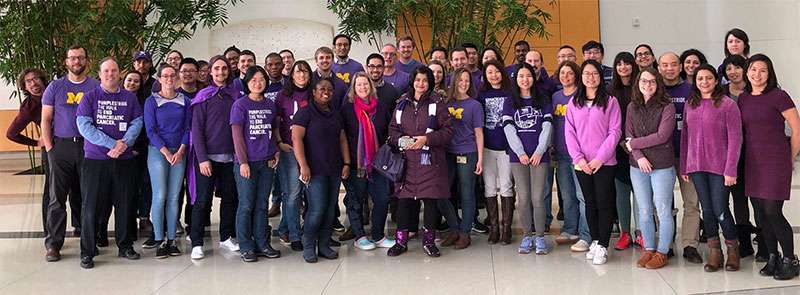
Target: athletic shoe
479,227
150,243
162,251
592,250
385,243
364,244
197,252
624,242
600,255
541,246
565,238
526,245
229,245
579,246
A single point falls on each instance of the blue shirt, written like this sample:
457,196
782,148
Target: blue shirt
167,121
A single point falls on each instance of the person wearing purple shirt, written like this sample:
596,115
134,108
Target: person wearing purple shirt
167,123
324,59
711,140
496,169
291,99
592,132
527,123
110,119
212,144
253,123
391,73
406,62
59,103
345,67
669,67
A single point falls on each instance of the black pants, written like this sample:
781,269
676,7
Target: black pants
46,191
776,229
65,160
224,184
598,191
104,181
142,198
408,213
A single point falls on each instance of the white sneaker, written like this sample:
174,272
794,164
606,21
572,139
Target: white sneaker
579,246
229,245
385,243
600,255
592,250
197,252
364,244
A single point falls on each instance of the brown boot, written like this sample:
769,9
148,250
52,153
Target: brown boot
659,260
494,226
449,238
646,256
463,241
52,255
274,210
507,219
732,264
714,256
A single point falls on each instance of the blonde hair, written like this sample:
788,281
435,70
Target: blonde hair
352,92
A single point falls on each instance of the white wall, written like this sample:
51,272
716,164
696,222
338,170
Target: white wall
677,25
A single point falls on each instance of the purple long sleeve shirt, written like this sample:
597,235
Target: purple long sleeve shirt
592,132
711,138
211,132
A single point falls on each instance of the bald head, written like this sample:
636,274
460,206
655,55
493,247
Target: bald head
534,58
669,67
109,74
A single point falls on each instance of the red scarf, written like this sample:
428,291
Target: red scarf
367,139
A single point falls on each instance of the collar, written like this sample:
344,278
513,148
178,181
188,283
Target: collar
119,89
342,61
379,83
321,75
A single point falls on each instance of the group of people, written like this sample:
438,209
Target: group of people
473,131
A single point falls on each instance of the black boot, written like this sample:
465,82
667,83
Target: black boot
494,224
744,232
787,269
772,265
507,208
761,253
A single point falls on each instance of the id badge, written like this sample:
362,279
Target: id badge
123,126
461,159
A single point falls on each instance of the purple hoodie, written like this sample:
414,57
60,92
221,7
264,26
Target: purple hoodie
593,133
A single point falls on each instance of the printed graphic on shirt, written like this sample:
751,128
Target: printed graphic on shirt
260,123
271,95
344,76
527,117
74,98
560,110
494,112
110,113
679,115
457,113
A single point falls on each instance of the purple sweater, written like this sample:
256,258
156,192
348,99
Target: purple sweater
593,133
711,138
211,132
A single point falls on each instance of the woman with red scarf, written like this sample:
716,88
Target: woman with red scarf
366,124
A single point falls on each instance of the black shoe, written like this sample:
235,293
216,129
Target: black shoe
328,254
173,249
296,246
396,250
671,253
249,256
311,259
150,243
162,251
269,252
129,253
87,262
76,232
102,239
479,227
337,226
690,254
788,269
773,263
347,235
560,216
335,243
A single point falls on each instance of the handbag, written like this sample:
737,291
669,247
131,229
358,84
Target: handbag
389,163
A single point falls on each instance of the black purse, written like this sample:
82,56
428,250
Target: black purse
389,163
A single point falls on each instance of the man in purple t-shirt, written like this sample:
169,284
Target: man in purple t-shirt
64,145
391,74
406,62
109,118
344,67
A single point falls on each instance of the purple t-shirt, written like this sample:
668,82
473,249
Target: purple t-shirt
347,70
323,152
493,135
467,115
476,78
64,96
528,121
409,67
287,106
560,102
111,113
399,80
679,94
273,89
257,119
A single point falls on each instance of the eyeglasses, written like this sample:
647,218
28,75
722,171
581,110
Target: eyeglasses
188,71
647,81
389,53
643,54
590,74
74,58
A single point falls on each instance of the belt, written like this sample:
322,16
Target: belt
72,139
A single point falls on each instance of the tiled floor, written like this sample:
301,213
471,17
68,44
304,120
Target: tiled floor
481,269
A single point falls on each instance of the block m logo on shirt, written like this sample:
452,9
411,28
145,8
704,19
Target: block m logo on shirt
344,76
74,98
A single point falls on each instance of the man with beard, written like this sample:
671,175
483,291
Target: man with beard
288,61
324,59
64,145
406,62
344,67
247,59
143,63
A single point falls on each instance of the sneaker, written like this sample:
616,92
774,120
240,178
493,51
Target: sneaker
592,250
249,256
151,243
296,246
129,254
541,246
284,239
229,245
197,252
337,225
162,251
526,245
639,242
364,244
624,242
566,238
579,246
479,227
87,262
600,255
385,243
179,229
173,249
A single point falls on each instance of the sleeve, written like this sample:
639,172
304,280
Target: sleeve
608,148
136,124
187,121
733,120
510,129
302,117
571,135
479,118
21,121
48,97
684,142
545,136
441,137
239,145
394,130
151,124
784,102
199,132
636,153
85,122
666,128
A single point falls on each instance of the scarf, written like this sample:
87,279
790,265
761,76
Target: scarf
425,158
367,138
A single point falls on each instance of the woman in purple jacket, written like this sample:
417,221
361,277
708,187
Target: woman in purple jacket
710,145
592,132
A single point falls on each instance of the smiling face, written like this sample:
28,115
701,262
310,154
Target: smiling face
174,59
463,84
246,61
300,76
669,67
647,85
420,84
524,79
735,45
438,73
566,76
33,84
494,76
288,60
274,66
706,82
594,54
389,53
644,57
758,74
257,83
76,61
132,82
324,61
168,78
735,73
591,77
406,49
488,55
690,64
623,69
362,86
458,59
375,69
323,92
219,72
341,46
566,54
534,59
109,74
188,73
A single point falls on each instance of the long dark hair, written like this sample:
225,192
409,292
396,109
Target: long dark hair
289,88
686,54
660,98
413,76
772,79
617,87
516,95
504,80
601,97
739,34
695,97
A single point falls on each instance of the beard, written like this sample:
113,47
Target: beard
77,71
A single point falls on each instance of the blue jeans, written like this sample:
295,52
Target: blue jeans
655,189
292,191
166,181
323,195
548,197
463,174
358,189
251,216
277,194
574,204
713,196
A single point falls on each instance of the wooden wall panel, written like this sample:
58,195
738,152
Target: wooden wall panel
6,117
